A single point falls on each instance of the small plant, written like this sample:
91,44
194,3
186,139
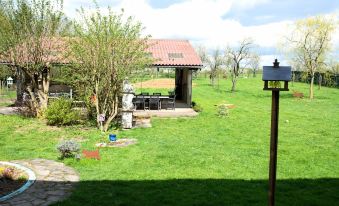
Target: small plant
8,173
223,110
68,148
60,113
197,107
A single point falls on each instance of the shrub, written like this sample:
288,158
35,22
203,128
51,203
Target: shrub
60,112
196,107
68,148
223,110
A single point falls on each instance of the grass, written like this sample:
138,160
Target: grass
7,97
204,160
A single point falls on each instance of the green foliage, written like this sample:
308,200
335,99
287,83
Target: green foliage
223,110
31,38
60,113
196,107
68,148
108,49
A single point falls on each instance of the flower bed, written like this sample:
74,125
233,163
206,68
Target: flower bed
11,179
14,179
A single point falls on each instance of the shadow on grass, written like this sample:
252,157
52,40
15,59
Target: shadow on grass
204,192
181,192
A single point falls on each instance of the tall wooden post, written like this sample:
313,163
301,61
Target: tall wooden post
273,147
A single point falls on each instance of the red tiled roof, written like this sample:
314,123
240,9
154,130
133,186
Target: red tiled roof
173,53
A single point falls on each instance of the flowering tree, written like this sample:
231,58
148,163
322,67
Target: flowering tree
106,50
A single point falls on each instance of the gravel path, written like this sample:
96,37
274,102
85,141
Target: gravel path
54,182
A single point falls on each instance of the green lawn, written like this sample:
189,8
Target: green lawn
205,160
7,97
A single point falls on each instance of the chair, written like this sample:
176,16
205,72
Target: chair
171,101
154,100
139,100
171,93
144,93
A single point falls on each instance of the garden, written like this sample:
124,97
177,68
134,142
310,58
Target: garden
205,160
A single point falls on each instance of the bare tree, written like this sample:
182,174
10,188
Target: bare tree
238,57
215,61
254,63
309,45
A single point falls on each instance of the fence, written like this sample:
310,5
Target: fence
327,79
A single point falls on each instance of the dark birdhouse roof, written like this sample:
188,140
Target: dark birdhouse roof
282,73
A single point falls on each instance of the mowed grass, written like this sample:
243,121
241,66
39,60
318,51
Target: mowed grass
206,160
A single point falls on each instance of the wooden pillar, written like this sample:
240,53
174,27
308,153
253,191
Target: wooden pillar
189,87
273,147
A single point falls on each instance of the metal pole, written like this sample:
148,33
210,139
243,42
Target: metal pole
273,146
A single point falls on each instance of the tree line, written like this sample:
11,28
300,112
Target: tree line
308,48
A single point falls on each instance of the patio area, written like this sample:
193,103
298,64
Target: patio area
181,110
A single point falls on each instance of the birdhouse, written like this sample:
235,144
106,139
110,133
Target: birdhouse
274,75
9,81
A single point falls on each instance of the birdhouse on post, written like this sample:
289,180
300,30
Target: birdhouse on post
9,81
272,77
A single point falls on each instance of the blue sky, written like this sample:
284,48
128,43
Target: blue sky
217,23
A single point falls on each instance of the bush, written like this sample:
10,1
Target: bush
196,107
68,148
60,112
223,110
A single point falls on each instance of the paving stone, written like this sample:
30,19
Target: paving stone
54,183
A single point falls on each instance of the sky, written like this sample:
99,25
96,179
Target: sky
217,23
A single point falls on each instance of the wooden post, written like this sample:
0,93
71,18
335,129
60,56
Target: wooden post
273,146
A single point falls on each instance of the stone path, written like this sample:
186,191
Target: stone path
54,182
8,110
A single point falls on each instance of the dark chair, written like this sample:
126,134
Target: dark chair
139,100
171,93
171,102
154,100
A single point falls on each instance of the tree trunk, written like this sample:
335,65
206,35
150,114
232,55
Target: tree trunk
19,87
113,115
234,82
311,87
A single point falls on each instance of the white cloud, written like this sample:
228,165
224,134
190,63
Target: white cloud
200,21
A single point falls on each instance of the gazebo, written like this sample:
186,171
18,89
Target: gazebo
178,55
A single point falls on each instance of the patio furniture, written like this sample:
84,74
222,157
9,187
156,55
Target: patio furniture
139,100
144,93
157,94
154,100
171,102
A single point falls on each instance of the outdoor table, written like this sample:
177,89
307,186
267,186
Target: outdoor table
147,97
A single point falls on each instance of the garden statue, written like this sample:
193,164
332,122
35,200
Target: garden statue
127,105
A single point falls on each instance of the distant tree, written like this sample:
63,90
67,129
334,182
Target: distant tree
254,63
215,62
30,31
238,58
5,72
310,44
107,49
